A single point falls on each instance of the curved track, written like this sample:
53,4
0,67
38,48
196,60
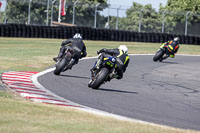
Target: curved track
165,93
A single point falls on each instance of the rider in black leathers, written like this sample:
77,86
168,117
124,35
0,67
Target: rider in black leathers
76,44
122,59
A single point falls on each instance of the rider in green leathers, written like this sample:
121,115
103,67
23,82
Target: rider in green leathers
122,58
171,48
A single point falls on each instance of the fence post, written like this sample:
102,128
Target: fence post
5,16
52,2
163,23
59,19
29,11
140,21
74,11
186,19
117,21
47,12
108,21
95,16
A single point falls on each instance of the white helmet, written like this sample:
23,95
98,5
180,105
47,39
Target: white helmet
124,48
177,39
77,35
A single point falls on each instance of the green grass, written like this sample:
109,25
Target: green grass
27,54
21,116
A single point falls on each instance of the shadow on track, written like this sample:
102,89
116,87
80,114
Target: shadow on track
71,76
120,91
169,62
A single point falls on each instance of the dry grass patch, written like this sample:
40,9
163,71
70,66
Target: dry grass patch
20,116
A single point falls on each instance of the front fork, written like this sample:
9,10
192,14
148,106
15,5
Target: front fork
99,61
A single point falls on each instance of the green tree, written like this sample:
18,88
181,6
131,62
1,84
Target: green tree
177,10
184,5
84,13
141,16
17,12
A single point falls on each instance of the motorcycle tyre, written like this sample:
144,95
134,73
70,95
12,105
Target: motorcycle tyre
61,66
99,79
158,55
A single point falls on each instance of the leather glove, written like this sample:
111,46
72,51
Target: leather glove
63,44
100,51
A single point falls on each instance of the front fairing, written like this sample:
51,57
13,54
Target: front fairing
109,62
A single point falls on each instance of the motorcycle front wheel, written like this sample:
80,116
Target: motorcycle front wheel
99,78
158,55
61,66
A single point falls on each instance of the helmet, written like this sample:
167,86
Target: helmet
77,35
124,48
177,39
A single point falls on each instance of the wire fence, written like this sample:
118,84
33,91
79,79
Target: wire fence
98,15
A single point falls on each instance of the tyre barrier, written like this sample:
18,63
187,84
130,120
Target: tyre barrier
88,33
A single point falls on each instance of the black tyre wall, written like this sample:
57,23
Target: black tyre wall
64,32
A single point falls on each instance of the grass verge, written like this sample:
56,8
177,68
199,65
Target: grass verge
28,54
21,116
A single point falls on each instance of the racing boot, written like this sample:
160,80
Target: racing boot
93,72
165,57
94,69
56,59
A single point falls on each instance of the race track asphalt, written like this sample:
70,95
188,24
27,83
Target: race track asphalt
166,93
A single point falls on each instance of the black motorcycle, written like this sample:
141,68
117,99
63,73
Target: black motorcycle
105,73
65,62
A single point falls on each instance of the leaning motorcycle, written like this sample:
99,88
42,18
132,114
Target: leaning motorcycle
65,62
159,54
105,73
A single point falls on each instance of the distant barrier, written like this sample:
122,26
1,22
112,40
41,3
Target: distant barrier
64,32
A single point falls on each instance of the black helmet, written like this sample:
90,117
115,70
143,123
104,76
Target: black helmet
177,39
77,35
